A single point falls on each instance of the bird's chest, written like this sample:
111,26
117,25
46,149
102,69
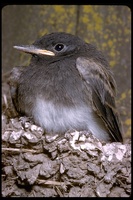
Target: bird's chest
60,118
59,83
62,103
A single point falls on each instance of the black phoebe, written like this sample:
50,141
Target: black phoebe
67,85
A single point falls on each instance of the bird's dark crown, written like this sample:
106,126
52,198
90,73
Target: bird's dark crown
58,37
60,43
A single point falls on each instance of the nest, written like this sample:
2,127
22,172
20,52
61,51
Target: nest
75,164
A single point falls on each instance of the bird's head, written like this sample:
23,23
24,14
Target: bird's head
54,45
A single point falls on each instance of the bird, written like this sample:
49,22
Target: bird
68,85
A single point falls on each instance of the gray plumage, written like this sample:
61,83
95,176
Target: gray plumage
67,85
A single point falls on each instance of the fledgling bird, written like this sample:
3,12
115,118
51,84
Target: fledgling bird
67,85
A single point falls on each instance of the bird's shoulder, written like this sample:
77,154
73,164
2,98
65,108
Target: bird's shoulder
92,69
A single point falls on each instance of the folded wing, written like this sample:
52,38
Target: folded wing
102,84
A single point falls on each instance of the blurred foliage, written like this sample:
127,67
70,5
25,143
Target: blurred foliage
107,27
55,16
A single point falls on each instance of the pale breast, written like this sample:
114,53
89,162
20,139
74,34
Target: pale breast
59,119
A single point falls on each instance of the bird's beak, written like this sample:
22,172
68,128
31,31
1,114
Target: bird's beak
34,50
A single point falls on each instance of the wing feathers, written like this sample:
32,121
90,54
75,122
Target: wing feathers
102,84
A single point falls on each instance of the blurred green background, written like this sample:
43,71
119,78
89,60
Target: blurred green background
107,27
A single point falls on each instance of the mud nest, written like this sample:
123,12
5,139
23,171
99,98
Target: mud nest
75,164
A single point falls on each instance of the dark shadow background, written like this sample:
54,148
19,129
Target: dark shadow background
108,27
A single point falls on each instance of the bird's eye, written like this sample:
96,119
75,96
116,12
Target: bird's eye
59,47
